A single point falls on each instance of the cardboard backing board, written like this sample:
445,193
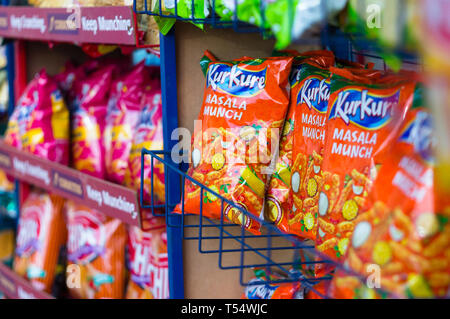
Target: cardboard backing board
203,277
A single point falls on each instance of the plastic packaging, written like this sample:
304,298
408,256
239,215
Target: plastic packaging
244,107
90,108
403,234
40,237
364,115
121,122
96,254
40,121
277,207
148,262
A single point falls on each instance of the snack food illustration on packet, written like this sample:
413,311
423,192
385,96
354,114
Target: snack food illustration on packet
364,114
41,234
96,251
244,107
277,208
404,232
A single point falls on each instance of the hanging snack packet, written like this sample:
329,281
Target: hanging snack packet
149,135
246,11
265,286
364,115
121,122
40,121
403,232
96,252
277,207
148,262
244,107
89,121
40,237
309,140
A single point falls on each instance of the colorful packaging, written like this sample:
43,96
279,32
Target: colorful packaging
88,123
40,121
277,207
96,254
364,115
244,108
41,235
403,236
148,262
121,122
257,289
191,9
149,135
246,11
290,19
67,78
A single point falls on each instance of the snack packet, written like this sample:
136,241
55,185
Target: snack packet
149,135
121,122
403,235
257,289
41,235
290,19
364,115
244,107
67,78
90,107
246,11
277,208
40,121
148,262
96,252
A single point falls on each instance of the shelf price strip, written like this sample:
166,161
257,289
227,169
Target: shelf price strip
111,25
111,199
16,287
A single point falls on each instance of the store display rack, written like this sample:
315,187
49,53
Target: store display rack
296,254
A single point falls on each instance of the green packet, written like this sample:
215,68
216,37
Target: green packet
186,9
392,24
290,19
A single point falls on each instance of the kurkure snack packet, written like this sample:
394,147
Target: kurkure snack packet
96,252
121,122
149,135
88,123
277,207
40,237
244,108
364,115
403,233
40,121
148,262
264,285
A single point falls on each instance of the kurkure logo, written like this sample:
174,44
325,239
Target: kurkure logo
315,93
366,110
235,80
87,238
419,133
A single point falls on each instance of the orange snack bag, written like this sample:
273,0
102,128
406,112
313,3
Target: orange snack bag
364,115
96,253
41,234
148,262
277,207
244,108
309,140
403,233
